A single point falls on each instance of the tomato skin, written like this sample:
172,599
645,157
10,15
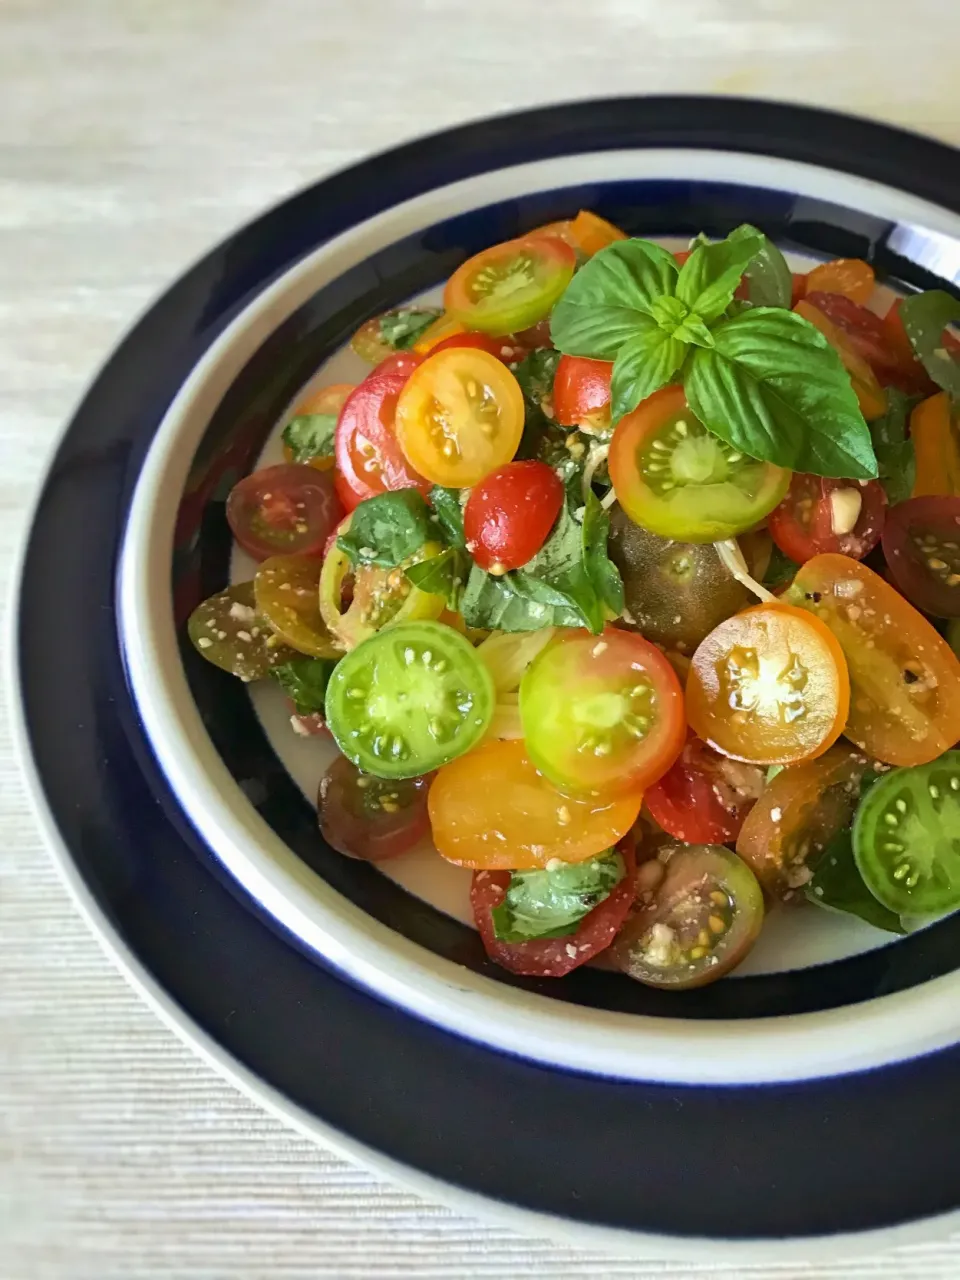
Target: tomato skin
590,233
369,459
697,802
290,508
473,296
399,363
367,818
549,957
802,525
507,350
509,515
581,391
921,544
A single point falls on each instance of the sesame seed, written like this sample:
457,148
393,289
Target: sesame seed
204,643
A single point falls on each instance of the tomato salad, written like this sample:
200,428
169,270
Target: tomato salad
632,579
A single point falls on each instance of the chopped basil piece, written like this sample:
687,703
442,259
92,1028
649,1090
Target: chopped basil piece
551,903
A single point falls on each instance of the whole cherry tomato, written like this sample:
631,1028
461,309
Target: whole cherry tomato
509,515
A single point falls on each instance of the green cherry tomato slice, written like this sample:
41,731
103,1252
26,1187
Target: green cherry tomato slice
906,838
409,699
673,477
511,286
287,591
227,630
602,715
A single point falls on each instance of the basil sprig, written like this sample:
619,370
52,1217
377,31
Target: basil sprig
764,380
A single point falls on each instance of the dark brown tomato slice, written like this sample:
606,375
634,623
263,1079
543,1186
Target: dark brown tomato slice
371,818
675,592
821,515
799,813
921,542
700,911
287,594
289,509
227,630
704,798
552,957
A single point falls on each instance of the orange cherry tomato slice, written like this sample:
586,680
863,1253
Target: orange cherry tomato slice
493,811
590,233
937,448
769,686
904,677
510,286
459,417
852,277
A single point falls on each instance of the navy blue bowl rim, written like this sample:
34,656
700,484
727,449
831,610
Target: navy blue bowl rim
549,1142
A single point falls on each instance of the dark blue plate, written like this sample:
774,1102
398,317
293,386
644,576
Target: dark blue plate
838,1156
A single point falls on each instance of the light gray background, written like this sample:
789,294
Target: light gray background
132,136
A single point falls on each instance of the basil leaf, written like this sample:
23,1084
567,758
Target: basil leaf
709,277
443,575
775,389
513,603
603,573
305,681
768,275
604,303
387,529
448,514
896,458
310,435
401,328
644,364
780,569
536,373
838,886
551,904
925,316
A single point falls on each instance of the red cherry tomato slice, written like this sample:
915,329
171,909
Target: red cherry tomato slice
509,515
704,798
820,515
369,460
921,542
371,818
507,349
398,362
581,391
552,957
289,509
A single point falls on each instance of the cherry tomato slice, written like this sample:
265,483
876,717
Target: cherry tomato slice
704,797
510,286
921,543
493,810
459,417
590,233
328,401
227,631
768,687
369,341
909,374
369,459
703,912
905,680
936,443
508,349
798,814
400,363
849,346
850,277
510,513
286,591
552,957
602,715
362,816
674,478
581,393
289,509
820,515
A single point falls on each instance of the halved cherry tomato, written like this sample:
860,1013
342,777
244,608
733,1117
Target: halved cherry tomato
227,631
850,277
905,680
602,715
286,593
674,478
800,811
459,417
590,233
510,286
506,349
492,810
704,797
702,912
510,513
921,543
870,395
289,508
936,444
552,957
581,393
328,400
362,816
819,514
768,687
369,459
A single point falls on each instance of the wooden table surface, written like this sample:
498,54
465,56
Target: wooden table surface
132,136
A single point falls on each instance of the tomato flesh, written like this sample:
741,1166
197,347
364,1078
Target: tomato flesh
921,543
227,630
673,477
286,591
510,513
936,443
510,286
815,517
493,810
287,509
602,715
370,818
768,687
369,459
581,392
704,797
850,278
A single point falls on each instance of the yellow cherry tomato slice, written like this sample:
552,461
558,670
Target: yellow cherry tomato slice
287,594
769,686
445,326
493,811
459,417
904,677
